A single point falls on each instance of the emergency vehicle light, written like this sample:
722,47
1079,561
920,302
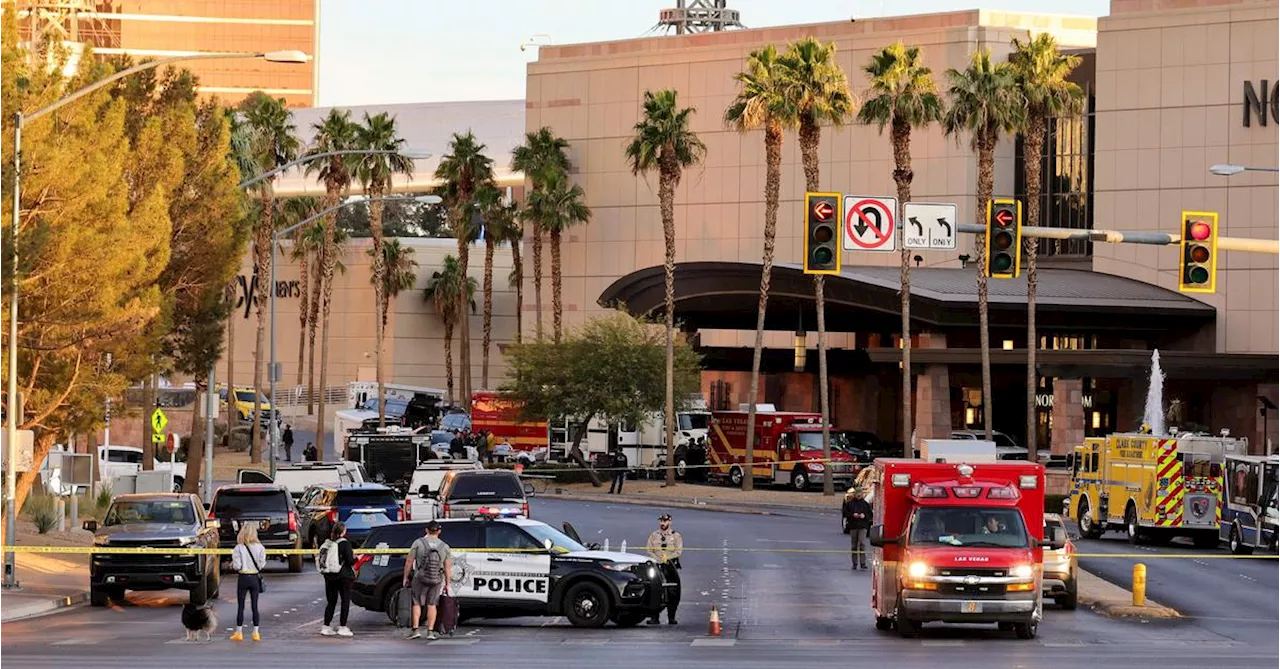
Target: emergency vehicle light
923,491
1027,481
900,480
967,492
1002,493
496,512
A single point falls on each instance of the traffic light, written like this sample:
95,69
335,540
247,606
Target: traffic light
821,241
1199,260
1004,238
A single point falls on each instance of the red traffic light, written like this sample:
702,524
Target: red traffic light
823,210
1199,230
1004,218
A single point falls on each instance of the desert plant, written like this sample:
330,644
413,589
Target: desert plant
43,511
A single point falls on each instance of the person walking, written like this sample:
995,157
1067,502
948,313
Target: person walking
858,511
336,562
287,440
620,465
665,546
247,559
426,571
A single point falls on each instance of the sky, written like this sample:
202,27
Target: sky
396,51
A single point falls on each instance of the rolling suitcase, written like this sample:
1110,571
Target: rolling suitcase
447,615
400,610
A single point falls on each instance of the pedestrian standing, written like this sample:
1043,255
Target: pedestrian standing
426,571
457,447
247,559
336,562
619,471
287,440
492,442
309,453
665,546
858,512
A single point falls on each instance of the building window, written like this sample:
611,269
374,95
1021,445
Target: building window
1053,342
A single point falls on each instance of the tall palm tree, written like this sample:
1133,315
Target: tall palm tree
274,144
515,235
297,209
398,273
819,93
375,170
985,101
464,170
1041,72
663,142
542,155
762,102
445,288
903,97
499,217
241,150
335,132
558,206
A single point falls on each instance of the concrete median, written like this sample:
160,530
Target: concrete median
1115,601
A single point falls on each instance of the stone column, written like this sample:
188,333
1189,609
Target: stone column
932,394
1068,415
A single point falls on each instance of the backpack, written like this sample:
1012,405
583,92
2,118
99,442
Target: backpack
328,560
428,565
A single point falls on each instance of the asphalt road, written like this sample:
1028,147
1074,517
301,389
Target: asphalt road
792,607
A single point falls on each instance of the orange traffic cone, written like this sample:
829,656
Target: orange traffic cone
714,624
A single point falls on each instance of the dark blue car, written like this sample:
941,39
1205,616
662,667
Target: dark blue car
362,506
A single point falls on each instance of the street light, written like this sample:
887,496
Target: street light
275,255
11,479
1232,170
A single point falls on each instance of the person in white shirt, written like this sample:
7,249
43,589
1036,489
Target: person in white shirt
248,558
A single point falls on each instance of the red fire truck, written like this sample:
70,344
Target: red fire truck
788,449
958,543
493,413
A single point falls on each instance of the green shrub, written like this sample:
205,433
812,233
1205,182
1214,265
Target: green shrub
43,511
104,498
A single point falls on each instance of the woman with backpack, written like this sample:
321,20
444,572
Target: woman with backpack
336,562
248,558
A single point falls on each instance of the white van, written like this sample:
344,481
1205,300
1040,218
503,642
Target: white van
296,478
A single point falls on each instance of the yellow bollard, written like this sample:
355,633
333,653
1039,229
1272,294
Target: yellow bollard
1139,584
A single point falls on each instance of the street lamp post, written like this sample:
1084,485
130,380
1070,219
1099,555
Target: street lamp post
275,254
11,479
1232,170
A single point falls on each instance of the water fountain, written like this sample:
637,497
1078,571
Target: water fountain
1153,414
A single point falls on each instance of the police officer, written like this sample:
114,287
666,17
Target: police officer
665,546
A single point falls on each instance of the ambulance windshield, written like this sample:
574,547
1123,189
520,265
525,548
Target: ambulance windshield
968,526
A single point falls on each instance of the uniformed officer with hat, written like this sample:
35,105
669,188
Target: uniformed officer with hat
665,546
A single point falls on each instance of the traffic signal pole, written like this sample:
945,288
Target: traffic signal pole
1245,244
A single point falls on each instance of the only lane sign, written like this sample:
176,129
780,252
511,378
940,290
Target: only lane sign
929,226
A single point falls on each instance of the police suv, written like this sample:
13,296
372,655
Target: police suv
505,566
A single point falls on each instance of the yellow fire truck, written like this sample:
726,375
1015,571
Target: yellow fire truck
1151,487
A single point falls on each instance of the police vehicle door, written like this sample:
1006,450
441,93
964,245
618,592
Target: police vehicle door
516,567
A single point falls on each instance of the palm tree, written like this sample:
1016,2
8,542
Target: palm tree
499,217
1041,73
985,101
762,102
464,170
399,275
295,210
819,93
375,171
274,144
335,132
903,97
241,150
515,235
445,288
556,207
664,143
542,155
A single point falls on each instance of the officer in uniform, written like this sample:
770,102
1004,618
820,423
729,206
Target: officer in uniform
665,546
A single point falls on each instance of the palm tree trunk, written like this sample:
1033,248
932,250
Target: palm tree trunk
986,183
232,313
464,322
448,357
313,322
487,336
304,276
519,268
557,297
195,444
1032,145
148,404
262,268
902,176
379,270
810,138
668,179
537,279
772,187
329,253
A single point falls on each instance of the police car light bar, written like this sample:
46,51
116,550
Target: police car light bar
496,512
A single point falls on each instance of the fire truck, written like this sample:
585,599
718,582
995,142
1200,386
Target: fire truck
959,543
1153,488
788,449
491,412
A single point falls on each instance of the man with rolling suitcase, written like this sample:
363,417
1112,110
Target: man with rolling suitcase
426,573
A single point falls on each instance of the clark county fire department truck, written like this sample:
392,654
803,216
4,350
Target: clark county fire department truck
1151,487
959,543
788,449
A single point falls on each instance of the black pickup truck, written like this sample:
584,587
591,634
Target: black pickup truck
165,520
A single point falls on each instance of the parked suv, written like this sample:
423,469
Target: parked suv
362,506
168,520
269,507
463,493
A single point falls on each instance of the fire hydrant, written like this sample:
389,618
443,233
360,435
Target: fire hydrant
1139,584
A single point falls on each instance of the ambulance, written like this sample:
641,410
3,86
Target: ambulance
959,543
1151,487
788,449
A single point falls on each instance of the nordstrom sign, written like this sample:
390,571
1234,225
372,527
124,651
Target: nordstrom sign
1259,101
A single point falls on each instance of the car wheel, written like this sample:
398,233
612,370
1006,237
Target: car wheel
907,628
1088,528
799,480
1026,630
629,619
1237,546
1069,600
98,596
177,483
586,605
883,623
735,477
1131,528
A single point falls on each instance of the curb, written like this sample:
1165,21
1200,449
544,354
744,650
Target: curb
674,504
37,609
1118,604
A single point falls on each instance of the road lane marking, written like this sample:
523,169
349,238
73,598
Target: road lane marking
713,642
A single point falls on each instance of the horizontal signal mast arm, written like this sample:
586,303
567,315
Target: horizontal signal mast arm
1117,237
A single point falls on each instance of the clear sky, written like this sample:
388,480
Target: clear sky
391,51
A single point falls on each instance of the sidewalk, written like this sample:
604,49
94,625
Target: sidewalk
48,583
1114,601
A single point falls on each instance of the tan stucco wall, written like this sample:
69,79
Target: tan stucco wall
591,93
1170,85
